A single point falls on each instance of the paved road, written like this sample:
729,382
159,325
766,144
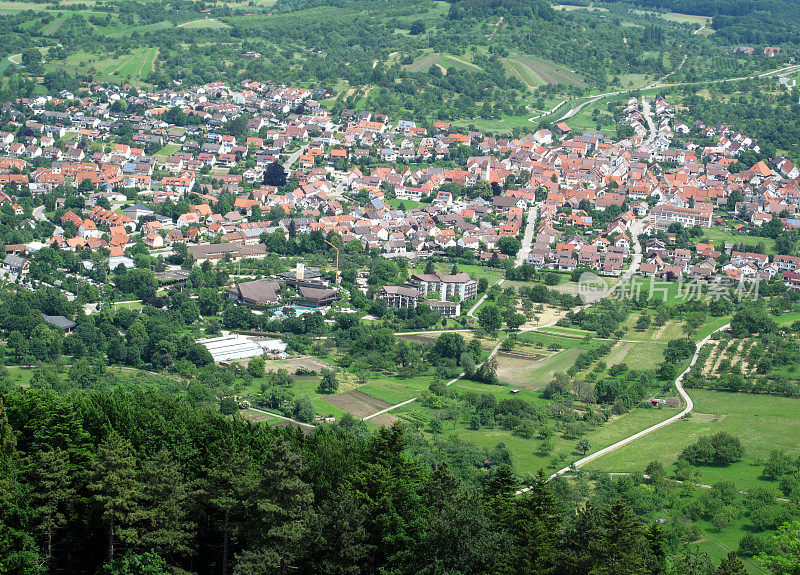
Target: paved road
527,239
522,254
38,213
648,117
294,157
682,392
659,84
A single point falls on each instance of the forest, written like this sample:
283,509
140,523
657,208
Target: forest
138,481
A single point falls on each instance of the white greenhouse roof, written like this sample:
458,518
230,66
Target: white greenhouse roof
232,346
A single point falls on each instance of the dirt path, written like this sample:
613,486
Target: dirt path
685,396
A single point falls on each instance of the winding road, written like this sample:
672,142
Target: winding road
689,405
660,84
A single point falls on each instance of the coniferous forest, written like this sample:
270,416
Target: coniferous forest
143,482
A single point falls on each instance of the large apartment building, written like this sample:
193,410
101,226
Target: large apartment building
665,214
399,296
446,286
408,297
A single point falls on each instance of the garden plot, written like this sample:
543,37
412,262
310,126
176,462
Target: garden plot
360,404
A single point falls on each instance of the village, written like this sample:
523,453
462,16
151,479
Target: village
403,190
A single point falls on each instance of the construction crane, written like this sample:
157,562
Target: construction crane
338,279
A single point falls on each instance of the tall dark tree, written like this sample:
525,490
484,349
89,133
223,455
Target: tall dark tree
117,490
275,175
53,490
731,565
280,515
165,525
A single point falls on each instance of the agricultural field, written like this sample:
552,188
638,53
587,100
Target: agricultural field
524,73
637,355
525,369
535,71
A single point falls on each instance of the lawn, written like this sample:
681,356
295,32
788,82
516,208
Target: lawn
637,355
762,422
718,236
168,150
407,204
474,270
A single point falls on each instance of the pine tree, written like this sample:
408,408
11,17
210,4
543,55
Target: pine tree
280,513
117,489
341,543
8,440
228,483
53,490
533,527
622,547
499,497
165,525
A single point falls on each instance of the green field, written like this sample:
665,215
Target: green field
717,236
424,63
636,355
527,462
205,23
459,64
168,150
548,72
762,422
133,67
524,73
687,18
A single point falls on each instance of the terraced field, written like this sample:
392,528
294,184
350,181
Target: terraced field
524,73
535,71
424,63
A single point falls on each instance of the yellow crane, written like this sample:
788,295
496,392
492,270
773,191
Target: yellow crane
338,280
